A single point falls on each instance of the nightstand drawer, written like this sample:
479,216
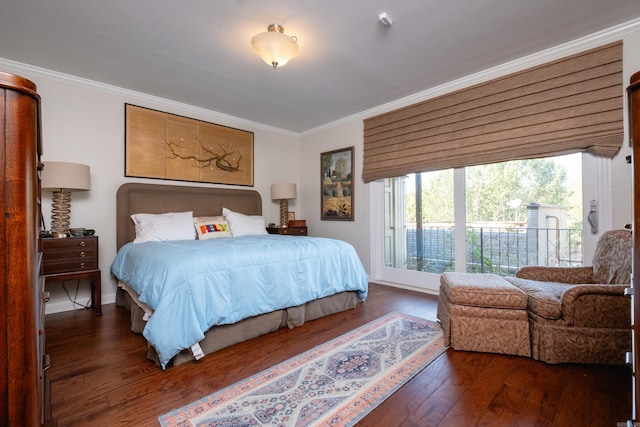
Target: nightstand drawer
69,264
69,254
291,231
298,231
64,253
51,244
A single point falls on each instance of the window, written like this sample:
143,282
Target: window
420,235
511,214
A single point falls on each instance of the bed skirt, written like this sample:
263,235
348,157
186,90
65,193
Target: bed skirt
219,337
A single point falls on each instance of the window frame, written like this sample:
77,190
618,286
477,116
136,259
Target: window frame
596,184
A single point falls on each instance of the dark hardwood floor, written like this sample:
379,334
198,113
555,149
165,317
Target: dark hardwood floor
100,377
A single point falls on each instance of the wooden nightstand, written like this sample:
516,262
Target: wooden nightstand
73,258
292,231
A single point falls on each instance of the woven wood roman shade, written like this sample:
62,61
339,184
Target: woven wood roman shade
565,106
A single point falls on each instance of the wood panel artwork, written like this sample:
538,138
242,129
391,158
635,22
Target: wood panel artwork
166,146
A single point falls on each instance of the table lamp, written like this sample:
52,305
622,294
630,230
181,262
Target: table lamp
284,193
61,178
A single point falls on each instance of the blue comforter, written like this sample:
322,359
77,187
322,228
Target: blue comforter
193,285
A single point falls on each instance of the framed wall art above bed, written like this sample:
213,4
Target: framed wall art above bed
167,146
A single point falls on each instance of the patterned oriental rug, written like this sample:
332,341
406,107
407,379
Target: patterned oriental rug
334,384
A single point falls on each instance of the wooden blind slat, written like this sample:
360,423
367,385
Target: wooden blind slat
539,124
569,105
567,96
608,60
444,151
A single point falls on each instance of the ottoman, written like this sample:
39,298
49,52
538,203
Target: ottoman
483,312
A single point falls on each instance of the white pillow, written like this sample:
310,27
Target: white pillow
163,227
211,227
244,225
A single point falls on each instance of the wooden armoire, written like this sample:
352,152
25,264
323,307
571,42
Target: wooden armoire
633,95
23,386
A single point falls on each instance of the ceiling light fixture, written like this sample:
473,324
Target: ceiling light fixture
274,46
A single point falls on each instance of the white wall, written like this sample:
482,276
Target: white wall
83,122
355,232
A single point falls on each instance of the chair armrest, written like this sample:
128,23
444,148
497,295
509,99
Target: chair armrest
575,275
601,306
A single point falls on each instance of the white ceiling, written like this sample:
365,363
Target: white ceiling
198,52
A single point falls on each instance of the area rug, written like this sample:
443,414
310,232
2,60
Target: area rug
333,384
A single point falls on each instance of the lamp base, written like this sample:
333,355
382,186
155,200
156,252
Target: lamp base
284,208
59,235
60,212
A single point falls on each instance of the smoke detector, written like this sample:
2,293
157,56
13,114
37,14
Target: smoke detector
384,19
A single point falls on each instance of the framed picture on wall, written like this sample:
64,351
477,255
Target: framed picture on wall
336,189
166,146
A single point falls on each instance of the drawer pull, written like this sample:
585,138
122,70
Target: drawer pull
82,243
82,265
83,254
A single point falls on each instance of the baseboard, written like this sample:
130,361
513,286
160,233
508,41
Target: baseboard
405,286
67,305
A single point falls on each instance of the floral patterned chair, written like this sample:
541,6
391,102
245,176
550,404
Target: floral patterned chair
580,314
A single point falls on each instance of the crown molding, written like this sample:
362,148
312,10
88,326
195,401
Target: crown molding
129,95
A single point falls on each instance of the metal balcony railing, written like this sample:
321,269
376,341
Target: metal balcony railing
499,250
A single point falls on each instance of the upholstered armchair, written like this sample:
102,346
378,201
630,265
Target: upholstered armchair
580,314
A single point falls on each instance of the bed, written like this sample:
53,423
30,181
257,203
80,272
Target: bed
228,317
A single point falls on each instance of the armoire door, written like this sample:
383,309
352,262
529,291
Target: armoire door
633,93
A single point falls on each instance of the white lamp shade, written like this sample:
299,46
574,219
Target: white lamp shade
283,191
275,48
64,175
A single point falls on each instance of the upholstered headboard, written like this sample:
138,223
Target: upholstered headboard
134,198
